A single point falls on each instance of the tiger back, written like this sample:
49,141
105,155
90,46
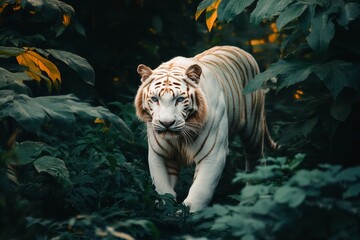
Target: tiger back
191,107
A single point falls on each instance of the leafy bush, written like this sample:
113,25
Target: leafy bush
70,170
320,203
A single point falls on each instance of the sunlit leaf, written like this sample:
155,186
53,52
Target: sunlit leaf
66,20
36,64
211,14
211,7
202,6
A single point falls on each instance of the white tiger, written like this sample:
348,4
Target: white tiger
191,107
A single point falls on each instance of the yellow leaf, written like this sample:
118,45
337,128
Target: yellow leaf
210,19
98,120
198,13
66,20
36,63
211,14
33,71
105,127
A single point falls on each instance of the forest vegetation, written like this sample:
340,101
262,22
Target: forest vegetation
73,155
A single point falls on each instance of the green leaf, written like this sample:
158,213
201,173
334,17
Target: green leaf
228,9
27,151
292,196
350,174
32,113
289,14
50,9
14,81
55,167
6,52
337,75
322,31
308,126
352,191
251,191
264,206
77,63
348,12
266,9
288,71
204,4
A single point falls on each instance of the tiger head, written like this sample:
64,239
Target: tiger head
171,100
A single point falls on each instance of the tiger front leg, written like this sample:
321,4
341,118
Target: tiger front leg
209,167
163,175
207,176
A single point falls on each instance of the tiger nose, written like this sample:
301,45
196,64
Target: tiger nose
167,124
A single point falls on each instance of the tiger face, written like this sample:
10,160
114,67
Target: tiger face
171,101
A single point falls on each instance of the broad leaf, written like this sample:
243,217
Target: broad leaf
352,191
10,80
77,63
211,11
289,14
27,151
288,71
36,63
266,9
55,167
202,6
349,174
32,113
51,9
322,31
292,196
6,52
228,9
349,12
337,75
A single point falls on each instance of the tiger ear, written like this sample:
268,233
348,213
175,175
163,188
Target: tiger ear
144,72
194,73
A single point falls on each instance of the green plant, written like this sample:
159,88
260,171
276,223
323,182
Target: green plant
318,57
321,203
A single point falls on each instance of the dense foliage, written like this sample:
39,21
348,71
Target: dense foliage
73,157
